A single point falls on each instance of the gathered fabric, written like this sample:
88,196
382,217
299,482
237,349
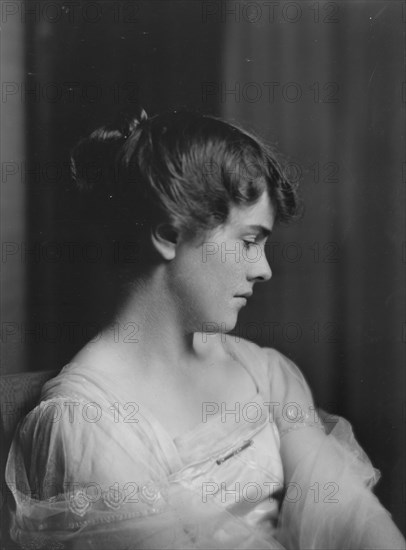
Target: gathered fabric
91,469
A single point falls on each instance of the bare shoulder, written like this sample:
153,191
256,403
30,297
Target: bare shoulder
256,358
234,353
221,347
269,367
232,373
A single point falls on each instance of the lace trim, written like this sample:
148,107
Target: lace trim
149,499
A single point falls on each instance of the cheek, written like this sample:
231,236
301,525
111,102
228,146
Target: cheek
208,280
191,282
223,276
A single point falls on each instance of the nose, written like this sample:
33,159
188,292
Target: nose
261,270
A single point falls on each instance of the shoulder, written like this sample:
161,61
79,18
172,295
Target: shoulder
273,369
79,440
59,421
222,345
270,367
268,360
72,410
78,382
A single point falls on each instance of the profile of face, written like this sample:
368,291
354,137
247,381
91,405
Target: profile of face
162,179
212,278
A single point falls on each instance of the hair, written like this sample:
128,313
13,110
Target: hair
181,168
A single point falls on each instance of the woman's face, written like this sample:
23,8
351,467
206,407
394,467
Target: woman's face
212,278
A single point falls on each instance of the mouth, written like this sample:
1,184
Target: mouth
245,296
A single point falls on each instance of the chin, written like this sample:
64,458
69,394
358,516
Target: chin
214,327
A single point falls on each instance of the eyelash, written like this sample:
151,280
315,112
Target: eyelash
247,244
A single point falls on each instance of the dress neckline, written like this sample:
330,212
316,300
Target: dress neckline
170,445
153,420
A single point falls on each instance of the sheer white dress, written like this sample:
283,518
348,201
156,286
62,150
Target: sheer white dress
91,469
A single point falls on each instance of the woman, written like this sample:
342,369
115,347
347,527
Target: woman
182,436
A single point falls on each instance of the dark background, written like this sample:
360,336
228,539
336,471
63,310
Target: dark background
321,80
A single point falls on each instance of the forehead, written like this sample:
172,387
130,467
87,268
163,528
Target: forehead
260,213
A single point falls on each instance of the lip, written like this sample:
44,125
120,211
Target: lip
246,295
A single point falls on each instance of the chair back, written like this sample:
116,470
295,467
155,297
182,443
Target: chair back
19,393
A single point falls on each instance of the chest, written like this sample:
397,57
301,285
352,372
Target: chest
181,404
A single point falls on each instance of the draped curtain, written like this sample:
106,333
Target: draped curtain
12,197
323,81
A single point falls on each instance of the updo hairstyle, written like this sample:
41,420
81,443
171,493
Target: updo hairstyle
180,168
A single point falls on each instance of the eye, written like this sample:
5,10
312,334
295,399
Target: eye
249,242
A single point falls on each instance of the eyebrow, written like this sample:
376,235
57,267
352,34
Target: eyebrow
261,229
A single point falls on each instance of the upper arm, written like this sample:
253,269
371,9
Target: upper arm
300,428
331,505
66,443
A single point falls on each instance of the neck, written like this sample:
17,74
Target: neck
148,329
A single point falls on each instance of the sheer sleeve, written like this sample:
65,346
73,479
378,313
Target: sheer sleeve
328,501
292,400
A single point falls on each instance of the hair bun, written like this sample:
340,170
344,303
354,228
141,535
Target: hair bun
128,125
93,160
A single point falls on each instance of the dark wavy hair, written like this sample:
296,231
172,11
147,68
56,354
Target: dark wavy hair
182,168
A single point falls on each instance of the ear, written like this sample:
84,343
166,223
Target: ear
165,239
